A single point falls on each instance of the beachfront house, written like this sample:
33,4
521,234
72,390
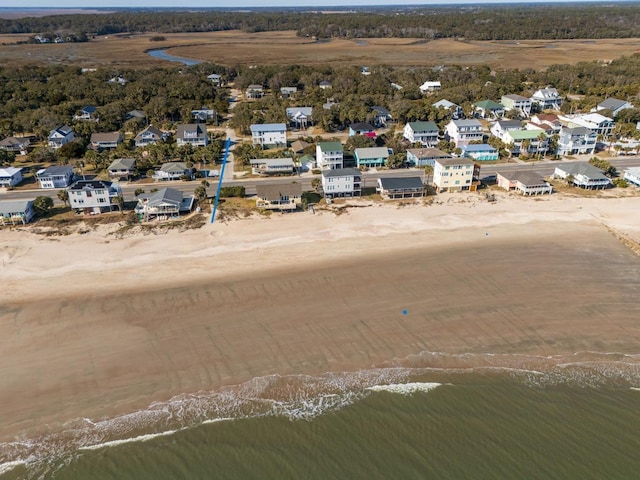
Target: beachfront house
342,182
430,87
614,105
55,177
94,196
576,141
149,136
518,103
329,155
502,126
10,176
15,145
283,197
456,110
423,157
122,168
271,166
165,204
371,157
14,212
546,99
194,134
300,117
632,175
269,134
489,109
583,175
104,141
173,171
524,181
482,152
455,174
60,136
400,187
526,141
362,128
425,133
463,132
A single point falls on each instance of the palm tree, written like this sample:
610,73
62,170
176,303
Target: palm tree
63,196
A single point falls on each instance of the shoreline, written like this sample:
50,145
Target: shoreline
302,294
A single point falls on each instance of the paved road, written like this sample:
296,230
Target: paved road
545,168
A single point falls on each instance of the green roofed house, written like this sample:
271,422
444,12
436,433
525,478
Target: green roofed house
526,141
329,155
489,109
425,133
371,157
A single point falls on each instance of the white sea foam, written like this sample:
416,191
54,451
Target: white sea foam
8,466
140,438
405,388
637,389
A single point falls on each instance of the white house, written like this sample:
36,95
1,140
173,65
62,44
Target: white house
462,132
173,171
425,133
533,141
215,79
86,113
632,175
489,108
342,182
612,104
149,136
454,174
194,134
300,117
55,177
10,176
269,134
94,196
547,99
518,103
329,155
456,110
499,128
576,141
16,211
60,136
430,87
254,91
271,166
165,204
584,175
524,181
599,124
288,92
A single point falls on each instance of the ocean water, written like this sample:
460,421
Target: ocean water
430,416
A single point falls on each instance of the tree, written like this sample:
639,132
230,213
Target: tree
315,184
42,204
63,196
396,160
200,193
428,171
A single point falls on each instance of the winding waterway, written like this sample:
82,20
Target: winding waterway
161,54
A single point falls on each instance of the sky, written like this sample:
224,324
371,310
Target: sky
235,3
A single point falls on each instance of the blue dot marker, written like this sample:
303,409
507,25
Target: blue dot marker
404,312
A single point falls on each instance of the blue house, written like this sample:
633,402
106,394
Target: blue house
371,157
480,152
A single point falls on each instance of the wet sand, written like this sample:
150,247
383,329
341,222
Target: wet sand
92,342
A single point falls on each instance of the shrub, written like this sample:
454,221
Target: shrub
235,191
620,182
157,38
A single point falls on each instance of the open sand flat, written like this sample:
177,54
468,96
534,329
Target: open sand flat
235,47
95,326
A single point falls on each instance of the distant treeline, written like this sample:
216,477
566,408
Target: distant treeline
540,21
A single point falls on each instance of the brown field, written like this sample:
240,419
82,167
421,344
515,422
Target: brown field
234,47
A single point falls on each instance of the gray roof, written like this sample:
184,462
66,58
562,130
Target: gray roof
190,127
400,183
136,114
293,111
92,184
515,96
583,168
14,206
268,127
526,177
509,123
165,195
150,129
361,126
174,167
279,162
577,131
106,137
467,123
122,164
342,172
372,152
273,192
455,161
11,141
428,153
612,104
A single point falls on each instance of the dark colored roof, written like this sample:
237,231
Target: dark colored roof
455,161
56,170
400,183
174,167
89,109
361,127
342,172
11,141
106,137
428,153
380,110
92,184
612,103
276,191
190,127
150,129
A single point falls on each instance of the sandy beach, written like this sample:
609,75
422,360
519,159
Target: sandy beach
95,326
